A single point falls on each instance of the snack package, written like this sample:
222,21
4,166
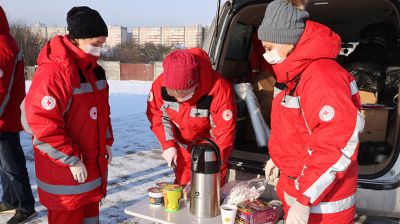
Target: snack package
240,191
257,212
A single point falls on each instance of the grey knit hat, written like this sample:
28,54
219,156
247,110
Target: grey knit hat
283,23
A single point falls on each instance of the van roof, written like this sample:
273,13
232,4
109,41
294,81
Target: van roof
343,16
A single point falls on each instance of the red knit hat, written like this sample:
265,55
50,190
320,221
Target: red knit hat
180,70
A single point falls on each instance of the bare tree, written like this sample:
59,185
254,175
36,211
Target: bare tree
30,43
126,53
153,52
133,53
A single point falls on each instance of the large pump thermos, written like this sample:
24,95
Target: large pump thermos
205,178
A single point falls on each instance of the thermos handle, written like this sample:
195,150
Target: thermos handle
216,148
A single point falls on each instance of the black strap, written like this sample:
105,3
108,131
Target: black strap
204,102
82,76
99,73
165,96
283,86
280,86
291,93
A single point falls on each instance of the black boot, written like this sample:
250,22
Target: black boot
5,208
22,216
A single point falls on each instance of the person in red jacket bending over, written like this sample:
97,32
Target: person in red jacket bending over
190,100
315,118
67,112
17,193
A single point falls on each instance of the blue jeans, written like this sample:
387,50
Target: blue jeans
17,190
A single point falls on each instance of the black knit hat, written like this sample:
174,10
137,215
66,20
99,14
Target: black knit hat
84,22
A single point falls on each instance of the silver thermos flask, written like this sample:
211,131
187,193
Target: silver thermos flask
205,178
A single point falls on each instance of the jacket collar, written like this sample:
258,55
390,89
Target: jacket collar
317,42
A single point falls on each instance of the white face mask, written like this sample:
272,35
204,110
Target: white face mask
186,98
273,57
95,51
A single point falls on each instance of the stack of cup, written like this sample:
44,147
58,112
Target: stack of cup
172,196
228,213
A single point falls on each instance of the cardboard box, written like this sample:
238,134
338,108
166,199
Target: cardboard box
375,124
263,88
367,97
375,119
370,135
257,212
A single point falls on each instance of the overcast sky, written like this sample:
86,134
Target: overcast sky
129,13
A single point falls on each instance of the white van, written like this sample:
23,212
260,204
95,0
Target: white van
228,44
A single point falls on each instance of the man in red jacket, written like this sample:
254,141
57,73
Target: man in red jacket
315,118
189,100
67,112
17,193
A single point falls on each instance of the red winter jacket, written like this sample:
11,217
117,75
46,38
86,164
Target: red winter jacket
67,112
210,113
316,120
12,80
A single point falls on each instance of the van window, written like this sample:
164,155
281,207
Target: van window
239,44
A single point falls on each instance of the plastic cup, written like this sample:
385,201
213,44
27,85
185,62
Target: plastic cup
172,195
228,213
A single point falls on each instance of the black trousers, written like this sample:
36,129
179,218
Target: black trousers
17,190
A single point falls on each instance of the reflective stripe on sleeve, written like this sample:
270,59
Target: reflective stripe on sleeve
68,189
316,189
169,134
326,207
91,220
24,122
182,145
212,127
68,106
353,87
10,85
108,133
55,154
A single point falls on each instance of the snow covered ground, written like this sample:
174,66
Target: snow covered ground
137,163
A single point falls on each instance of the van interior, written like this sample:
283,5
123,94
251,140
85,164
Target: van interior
359,24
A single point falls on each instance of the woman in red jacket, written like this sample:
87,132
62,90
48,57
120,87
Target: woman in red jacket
67,112
315,118
189,100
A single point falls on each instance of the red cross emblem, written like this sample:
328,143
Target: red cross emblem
327,113
93,113
227,115
48,102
